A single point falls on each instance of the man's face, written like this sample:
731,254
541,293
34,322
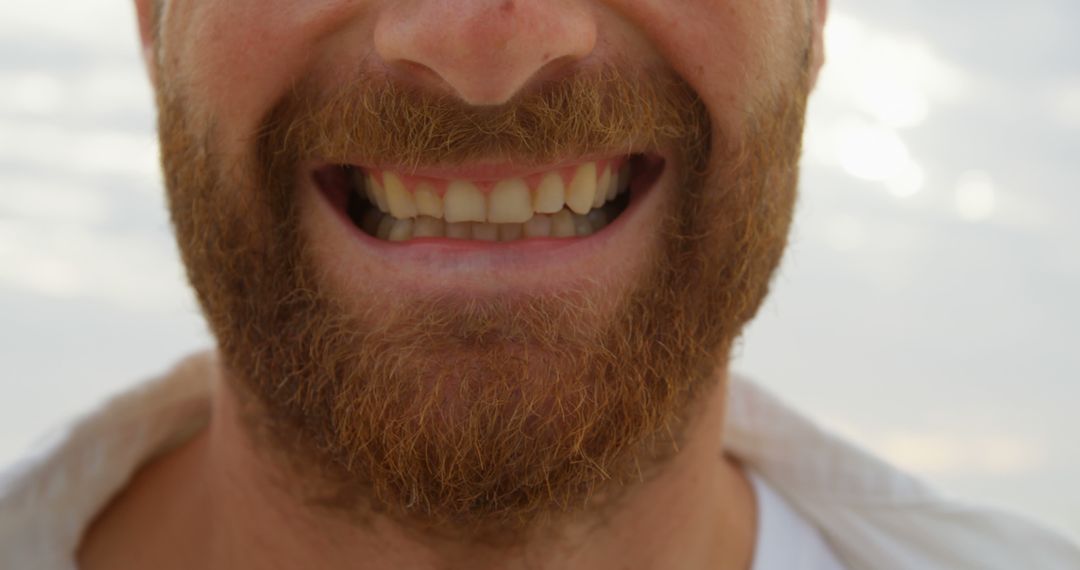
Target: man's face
475,262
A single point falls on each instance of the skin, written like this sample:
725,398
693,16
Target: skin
214,503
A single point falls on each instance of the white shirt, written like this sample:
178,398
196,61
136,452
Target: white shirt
823,505
785,539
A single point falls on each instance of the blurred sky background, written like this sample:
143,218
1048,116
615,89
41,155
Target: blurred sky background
927,307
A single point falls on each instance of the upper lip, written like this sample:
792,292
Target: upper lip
485,170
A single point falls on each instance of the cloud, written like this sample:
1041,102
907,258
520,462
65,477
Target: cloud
127,269
1064,100
878,86
963,454
893,78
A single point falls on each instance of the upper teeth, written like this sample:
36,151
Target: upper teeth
509,201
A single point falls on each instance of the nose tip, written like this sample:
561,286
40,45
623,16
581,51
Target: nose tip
483,51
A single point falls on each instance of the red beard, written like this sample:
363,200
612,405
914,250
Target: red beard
489,414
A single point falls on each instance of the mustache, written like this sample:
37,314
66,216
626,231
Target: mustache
375,120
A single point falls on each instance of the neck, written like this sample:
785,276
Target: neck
697,512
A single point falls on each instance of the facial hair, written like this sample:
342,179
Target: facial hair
478,415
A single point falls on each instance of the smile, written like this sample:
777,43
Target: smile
486,228
564,202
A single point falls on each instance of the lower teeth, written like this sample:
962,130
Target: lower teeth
563,224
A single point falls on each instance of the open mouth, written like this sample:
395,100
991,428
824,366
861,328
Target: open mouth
572,201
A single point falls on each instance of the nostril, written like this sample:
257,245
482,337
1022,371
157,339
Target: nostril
420,75
481,51
556,67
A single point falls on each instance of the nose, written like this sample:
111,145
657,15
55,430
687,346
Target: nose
483,51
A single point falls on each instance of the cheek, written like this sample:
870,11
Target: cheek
733,52
236,58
